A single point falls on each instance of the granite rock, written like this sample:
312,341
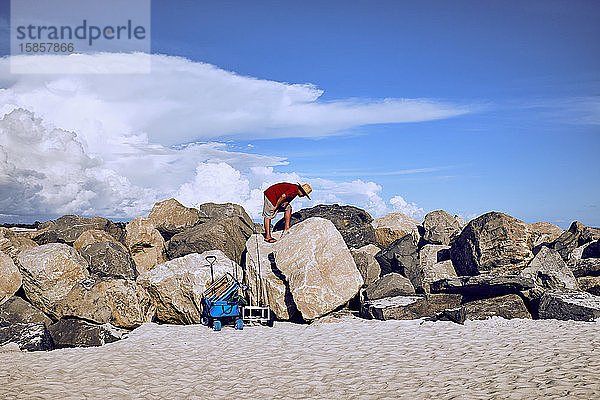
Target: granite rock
395,226
493,242
49,273
318,267
352,222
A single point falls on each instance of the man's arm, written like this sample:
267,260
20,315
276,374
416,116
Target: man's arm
280,200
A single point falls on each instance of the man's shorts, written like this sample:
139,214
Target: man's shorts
269,210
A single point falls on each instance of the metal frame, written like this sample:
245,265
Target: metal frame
257,314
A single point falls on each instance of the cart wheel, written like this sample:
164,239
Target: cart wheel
205,321
217,325
239,324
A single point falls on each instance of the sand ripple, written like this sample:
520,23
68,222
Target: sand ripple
351,359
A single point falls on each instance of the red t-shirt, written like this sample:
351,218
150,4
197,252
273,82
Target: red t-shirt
274,192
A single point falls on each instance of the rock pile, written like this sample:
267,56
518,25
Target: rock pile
87,281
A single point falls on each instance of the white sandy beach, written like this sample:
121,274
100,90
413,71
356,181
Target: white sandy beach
352,358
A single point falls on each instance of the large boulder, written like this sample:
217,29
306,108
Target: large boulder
211,211
49,273
439,227
483,285
590,284
68,228
30,337
569,305
548,270
508,306
78,333
586,267
366,263
395,226
577,235
109,259
317,266
10,278
266,284
353,223
493,242
544,234
409,307
228,234
171,217
145,243
576,254
176,286
18,311
435,264
12,244
94,236
120,302
402,256
592,250
389,285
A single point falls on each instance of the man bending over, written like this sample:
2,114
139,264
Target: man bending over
278,198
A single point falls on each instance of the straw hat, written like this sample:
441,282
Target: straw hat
305,189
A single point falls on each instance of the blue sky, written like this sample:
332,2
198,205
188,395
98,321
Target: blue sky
527,72
526,67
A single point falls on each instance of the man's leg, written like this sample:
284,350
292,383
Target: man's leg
288,217
268,229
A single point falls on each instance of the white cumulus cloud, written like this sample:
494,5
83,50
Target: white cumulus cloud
411,209
182,101
113,144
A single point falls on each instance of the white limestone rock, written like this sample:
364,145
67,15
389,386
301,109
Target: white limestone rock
10,278
318,267
146,244
49,273
395,226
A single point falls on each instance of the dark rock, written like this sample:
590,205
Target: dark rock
532,298
228,234
493,242
586,267
402,256
18,311
577,235
457,315
507,306
548,270
109,259
389,285
79,333
409,307
590,284
569,305
30,337
439,227
353,223
592,250
211,211
67,229
483,285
